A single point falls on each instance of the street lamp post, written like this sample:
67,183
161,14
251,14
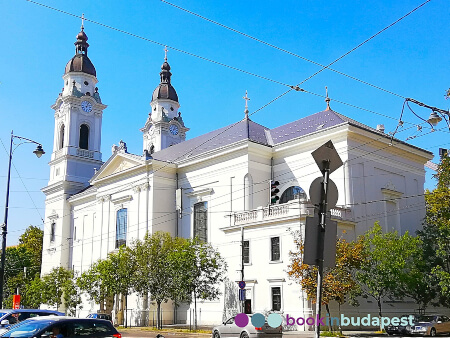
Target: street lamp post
39,152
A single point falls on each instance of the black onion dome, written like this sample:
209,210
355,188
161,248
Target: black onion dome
80,62
165,90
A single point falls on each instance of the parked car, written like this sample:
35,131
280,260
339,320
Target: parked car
14,316
402,329
431,325
230,329
59,327
104,316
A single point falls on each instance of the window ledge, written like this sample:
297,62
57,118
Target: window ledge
275,262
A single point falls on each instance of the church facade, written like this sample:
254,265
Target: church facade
217,187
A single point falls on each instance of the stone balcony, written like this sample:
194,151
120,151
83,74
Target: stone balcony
75,151
286,211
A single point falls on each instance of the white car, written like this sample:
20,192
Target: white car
229,329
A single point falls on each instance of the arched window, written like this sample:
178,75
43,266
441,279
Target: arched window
61,137
292,193
201,221
152,149
121,227
84,137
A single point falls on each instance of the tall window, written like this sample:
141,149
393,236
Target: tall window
275,249
84,137
292,193
201,221
121,228
52,232
276,298
246,252
61,137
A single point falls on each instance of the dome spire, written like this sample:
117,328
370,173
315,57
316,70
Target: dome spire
246,98
327,100
165,89
81,45
165,69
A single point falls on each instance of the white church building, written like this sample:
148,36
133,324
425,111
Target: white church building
214,186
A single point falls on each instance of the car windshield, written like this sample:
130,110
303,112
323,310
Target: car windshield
26,329
426,318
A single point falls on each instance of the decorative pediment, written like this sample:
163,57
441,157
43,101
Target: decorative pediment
119,162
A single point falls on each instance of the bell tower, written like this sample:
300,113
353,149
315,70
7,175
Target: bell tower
165,126
78,112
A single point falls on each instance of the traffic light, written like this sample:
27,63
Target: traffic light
274,192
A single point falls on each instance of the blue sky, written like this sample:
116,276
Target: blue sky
410,59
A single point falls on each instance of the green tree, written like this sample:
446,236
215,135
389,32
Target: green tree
117,273
94,282
435,234
34,293
154,273
32,240
383,271
203,270
56,284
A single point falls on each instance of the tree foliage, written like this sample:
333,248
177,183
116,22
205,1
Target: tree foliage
22,264
337,282
384,269
435,234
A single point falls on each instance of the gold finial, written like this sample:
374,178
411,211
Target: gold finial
82,21
327,100
165,53
246,98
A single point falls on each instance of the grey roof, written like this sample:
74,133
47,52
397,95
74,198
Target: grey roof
85,191
244,129
307,125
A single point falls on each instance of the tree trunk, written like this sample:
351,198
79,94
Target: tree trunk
195,310
329,316
126,308
379,312
340,327
158,316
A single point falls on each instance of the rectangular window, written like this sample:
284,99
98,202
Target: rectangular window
74,233
52,232
275,249
276,298
246,252
201,221
121,228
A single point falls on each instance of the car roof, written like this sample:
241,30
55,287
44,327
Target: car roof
66,318
28,310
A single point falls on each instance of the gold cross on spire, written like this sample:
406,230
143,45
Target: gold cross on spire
246,98
82,21
327,99
165,53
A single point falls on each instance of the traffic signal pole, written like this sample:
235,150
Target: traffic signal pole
320,246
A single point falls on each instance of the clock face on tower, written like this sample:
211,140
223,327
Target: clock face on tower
173,129
86,106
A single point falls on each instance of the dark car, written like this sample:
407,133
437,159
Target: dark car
104,316
404,326
59,327
10,317
431,325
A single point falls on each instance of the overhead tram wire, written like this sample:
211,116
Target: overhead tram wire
297,87
289,52
162,44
